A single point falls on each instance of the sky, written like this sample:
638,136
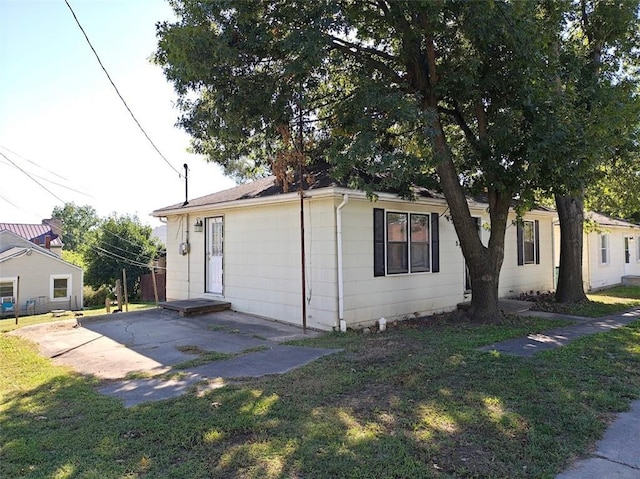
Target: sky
65,135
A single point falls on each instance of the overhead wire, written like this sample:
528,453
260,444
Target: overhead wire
33,163
111,254
118,91
32,178
47,170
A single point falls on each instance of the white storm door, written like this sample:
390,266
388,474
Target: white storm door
627,255
214,254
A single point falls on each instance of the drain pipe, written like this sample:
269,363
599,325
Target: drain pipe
341,322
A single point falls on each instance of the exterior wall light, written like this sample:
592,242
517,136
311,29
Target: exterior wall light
197,227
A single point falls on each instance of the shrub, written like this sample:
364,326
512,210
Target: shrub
95,297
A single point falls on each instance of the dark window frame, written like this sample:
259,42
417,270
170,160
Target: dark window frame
534,243
382,247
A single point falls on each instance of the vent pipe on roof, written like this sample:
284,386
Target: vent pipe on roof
186,185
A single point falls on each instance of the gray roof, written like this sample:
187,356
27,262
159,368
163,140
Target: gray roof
255,189
604,220
268,187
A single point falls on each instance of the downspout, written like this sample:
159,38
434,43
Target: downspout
553,256
588,262
188,249
342,324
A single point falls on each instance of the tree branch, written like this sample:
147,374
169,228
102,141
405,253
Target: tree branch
456,114
365,54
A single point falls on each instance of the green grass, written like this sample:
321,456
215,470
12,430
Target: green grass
601,303
416,401
206,357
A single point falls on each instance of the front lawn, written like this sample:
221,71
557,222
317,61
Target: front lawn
416,401
601,303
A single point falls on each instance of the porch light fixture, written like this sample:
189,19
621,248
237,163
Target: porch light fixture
197,227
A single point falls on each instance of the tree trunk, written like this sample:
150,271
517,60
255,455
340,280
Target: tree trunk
484,263
571,215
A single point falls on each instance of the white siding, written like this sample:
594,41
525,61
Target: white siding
262,261
368,298
262,265
516,279
602,275
36,271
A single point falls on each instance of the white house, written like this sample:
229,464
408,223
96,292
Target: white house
363,260
36,278
611,251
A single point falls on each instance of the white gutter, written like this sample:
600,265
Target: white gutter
342,323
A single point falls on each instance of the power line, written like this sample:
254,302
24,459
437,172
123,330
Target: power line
32,178
33,163
33,175
113,255
118,92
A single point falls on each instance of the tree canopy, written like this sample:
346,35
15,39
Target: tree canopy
120,242
77,224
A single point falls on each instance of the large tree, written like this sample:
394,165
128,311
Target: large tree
120,242
392,91
77,224
596,79
614,194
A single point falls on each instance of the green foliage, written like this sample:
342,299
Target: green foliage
74,257
120,242
95,297
77,224
358,74
614,193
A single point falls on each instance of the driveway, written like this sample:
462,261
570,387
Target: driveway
151,342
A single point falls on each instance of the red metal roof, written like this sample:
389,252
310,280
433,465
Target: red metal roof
33,232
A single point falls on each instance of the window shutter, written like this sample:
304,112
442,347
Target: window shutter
520,241
378,242
537,236
435,243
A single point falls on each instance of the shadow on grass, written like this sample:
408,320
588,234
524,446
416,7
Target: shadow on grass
416,402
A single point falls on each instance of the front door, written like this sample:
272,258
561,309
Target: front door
214,255
627,255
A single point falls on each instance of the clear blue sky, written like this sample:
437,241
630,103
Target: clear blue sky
63,124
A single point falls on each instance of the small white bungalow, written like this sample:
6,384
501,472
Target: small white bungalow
611,251
363,260
35,278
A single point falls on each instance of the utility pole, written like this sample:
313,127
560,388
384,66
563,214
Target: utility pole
301,192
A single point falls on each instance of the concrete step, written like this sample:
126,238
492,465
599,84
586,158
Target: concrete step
189,307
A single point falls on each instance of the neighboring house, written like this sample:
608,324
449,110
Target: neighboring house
611,251
34,276
363,260
47,234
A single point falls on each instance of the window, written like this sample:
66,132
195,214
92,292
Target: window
397,247
60,287
604,249
6,288
419,235
528,239
405,242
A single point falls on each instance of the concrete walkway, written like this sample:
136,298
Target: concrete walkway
144,345
617,454
535,343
